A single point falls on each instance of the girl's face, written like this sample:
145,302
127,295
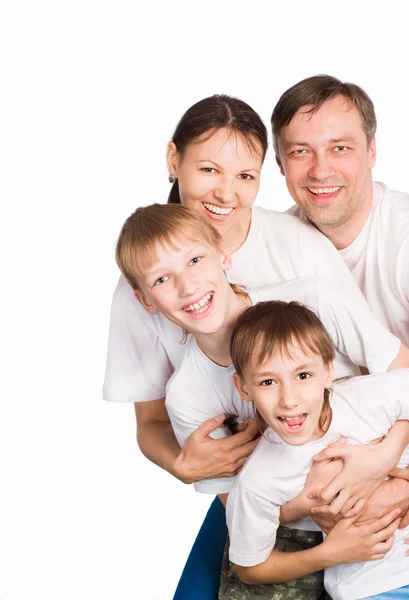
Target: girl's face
220,177
188,285
288,392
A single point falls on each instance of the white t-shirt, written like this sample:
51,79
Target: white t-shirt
379,258
363,408
144,350
201,389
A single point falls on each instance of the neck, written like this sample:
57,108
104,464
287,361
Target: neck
235,237
216,345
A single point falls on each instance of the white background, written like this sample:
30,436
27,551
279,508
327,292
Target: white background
90,94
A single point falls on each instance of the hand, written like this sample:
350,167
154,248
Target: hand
349,491
204,458
393,493
320,475
350,543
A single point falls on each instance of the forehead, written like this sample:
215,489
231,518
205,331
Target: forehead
336,119
165,253
284,358
225,145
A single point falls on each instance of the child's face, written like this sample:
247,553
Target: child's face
288,392
188,285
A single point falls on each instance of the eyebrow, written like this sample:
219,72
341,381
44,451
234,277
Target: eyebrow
347,138
192,251
207,160
302,367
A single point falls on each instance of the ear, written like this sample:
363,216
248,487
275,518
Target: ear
280,164
172,159
372,153
329,378
225,257
241,387
146,303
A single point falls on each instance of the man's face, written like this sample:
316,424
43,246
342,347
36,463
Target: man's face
327,163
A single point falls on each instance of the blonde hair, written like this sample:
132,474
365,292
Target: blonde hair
157,223
164,224
270,327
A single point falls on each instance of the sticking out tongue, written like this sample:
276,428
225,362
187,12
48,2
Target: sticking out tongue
297,422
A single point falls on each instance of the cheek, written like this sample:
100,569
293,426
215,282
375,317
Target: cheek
194,186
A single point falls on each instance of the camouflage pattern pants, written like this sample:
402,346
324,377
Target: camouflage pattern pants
310,587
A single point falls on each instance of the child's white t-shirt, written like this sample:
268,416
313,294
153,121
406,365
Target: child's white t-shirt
201,389
363,408
144,350
379,258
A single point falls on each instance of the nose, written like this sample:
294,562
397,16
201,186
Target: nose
288,398
188,285
225,191
321,167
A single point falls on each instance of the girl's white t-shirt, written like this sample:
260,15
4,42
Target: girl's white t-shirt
200,389
363,408
144,350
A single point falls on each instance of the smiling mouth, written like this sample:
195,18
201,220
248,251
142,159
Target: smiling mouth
217,210
200,306
294,422
327,190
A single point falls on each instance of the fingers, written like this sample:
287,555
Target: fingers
380,525
405,520
399,473
208,426
380,550
333,450
356,509
245,450
244,437
323,510
386,533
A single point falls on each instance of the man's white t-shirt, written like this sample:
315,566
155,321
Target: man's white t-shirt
201,389
144,350
379,258
363,408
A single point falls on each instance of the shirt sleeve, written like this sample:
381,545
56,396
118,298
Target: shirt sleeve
138,366
370,405
252,522
403,269
188,405
355,330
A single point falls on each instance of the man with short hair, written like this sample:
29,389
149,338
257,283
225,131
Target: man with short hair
324,139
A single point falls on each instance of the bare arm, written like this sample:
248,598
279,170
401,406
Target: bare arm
347,543
201,457
355,484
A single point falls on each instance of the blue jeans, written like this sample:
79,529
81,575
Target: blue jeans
200,579
397,594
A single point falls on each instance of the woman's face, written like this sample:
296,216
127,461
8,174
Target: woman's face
220,177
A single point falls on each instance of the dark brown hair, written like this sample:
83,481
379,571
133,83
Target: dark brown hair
270,327
313,92
213,113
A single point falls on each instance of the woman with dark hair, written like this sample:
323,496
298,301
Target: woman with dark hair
214,161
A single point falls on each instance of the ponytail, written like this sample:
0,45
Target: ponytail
174,197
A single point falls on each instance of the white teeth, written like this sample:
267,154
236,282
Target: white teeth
217,210
199,306
319,191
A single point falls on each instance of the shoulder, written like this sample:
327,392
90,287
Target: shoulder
392,205
301,289
372,385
